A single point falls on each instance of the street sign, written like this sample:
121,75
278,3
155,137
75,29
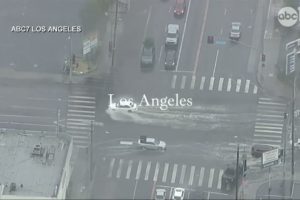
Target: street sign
292,44
290,62
86,47
270,158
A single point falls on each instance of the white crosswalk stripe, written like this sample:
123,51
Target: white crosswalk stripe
80,113
219,84
182,174
269,122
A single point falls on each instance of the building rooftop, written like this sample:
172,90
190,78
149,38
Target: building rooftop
31,165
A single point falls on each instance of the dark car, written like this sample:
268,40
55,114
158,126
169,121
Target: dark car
229,177
258,149
179,7
148,53
170,59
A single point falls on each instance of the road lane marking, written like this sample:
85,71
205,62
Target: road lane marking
82,97
81,106
220,179
80,101
229,85
119,171
201,176
147,22
255,89
166,168
271,103
191,180
78,115
156,172
147,171
266,140
267,127
202,82
138,171
129,169
215,65
201,37
211,83
183,169
238,85
183,35
174,81
247,86
211,177
174,173
111,166
268,124
193,82
183,82
220,84
267,136
81,111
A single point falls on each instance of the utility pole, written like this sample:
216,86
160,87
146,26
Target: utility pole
237,173
71,64
58,119
91,150
115,33
293,123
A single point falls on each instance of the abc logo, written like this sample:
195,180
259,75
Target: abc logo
288,16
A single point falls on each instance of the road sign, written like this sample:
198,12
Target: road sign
86,47
290,62
292,44
270,158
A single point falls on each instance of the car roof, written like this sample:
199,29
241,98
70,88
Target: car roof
173,28
263,146
178,191
180,1
150,140
160,191
170,53
125,103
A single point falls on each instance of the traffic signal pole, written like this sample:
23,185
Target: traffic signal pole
237,173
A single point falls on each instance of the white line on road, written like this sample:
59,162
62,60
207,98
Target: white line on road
220,84
255,89
147,22
215,65
174,81
81,101
164,178
183,169
247,86
111,166
211,177
138,171
193,82
82,97
156,172
183,82
120,168
201,177
229,85
211,83
174,173
191,180
202,82
220,179
147,170
81,111
201,37
225,11
129,169
238,85
183,34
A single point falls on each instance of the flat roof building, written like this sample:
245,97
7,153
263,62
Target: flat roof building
35,166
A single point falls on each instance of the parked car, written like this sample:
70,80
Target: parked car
180,7
160,194
258,149
151,143
171,59
235,33
148,53
178,194
172,38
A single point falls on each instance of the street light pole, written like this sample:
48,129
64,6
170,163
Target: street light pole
58,119
70,68
115,33
91,150
293,123
237,173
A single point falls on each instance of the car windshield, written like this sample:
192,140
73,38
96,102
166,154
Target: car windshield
170,56
171,35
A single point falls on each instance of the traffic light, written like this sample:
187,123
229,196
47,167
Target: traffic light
73,59
210,39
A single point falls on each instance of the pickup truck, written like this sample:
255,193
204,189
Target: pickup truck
151,143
